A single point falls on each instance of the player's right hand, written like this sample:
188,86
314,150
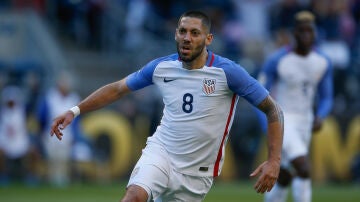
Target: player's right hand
60,123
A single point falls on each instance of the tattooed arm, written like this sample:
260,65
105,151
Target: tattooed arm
269,170
275,119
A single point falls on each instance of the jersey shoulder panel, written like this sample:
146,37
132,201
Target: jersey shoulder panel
273,60
144,77
269,71
240,81
326,57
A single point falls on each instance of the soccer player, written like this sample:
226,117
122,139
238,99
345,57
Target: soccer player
200,91
297,76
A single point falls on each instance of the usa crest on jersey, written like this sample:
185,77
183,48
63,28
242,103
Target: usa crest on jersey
209,86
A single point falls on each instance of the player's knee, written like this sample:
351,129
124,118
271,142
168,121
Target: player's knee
285,177
133,198
303,172
302,169
135,193
302,166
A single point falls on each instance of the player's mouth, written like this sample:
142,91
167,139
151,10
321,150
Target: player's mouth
185,49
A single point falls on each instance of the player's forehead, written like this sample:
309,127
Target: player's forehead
191,23
305,26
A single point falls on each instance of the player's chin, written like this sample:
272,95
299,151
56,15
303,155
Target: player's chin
186,57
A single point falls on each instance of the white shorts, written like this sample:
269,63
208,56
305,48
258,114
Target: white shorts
154,173
297,137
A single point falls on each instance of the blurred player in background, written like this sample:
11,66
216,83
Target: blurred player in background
300,79
59,155
200,91
16,149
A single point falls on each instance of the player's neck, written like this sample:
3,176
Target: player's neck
302,51
198,62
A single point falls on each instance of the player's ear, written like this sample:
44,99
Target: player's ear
209,39
175,35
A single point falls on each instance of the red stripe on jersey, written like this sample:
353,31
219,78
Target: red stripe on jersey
207,89
212,88
212,60
226,132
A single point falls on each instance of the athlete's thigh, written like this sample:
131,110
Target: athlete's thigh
297,136
184,188
151,172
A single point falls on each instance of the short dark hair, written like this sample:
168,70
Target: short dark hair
205,19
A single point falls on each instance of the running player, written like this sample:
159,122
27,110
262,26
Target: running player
200,91
296,76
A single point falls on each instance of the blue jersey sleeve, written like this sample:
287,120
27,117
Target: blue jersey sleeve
325,94
244,85
143,77
269,69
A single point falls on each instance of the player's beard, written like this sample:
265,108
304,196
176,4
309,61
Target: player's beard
193,55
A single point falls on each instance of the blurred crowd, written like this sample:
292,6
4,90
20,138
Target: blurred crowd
246,31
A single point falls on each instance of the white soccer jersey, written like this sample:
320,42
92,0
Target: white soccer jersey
199,108
295,81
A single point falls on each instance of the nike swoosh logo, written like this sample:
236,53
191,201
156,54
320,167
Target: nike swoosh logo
168,80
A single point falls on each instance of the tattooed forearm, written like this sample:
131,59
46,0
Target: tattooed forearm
272,110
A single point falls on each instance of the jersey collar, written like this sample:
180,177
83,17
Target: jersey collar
210,59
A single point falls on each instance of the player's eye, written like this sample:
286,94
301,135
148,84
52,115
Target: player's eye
182,31
195,33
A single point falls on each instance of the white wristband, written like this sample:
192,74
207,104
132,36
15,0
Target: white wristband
75,110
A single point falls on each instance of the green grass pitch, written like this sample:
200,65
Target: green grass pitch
220,192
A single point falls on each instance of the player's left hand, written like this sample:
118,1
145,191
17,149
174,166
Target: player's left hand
317,123
268,174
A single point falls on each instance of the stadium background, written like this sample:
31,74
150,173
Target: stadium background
100,41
